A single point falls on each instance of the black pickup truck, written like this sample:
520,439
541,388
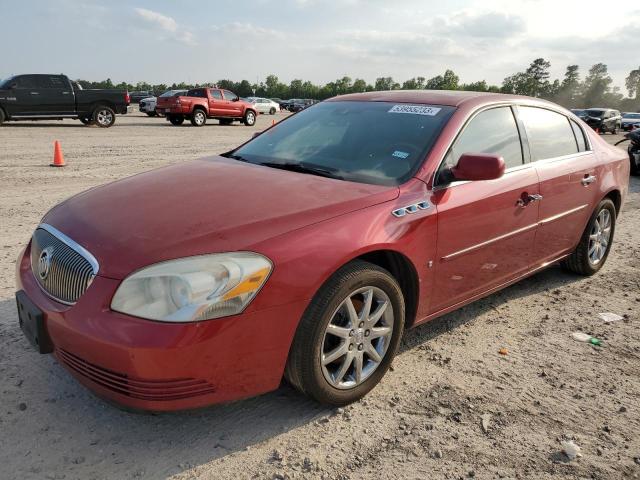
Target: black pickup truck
55,97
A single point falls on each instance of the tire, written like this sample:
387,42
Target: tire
635,165
103,116
249,118
198,117
151,114
305,370
226,121
581,261
272,111
1,116
615,130
176,120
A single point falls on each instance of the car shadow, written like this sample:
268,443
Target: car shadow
72,423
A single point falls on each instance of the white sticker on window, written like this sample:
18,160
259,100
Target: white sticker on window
399,154
415,110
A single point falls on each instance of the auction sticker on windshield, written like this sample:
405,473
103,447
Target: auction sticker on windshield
415,109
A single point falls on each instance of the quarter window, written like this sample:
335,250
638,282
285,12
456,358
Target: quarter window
550,134
582,143
492,131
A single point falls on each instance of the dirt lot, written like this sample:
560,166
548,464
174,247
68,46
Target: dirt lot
451,408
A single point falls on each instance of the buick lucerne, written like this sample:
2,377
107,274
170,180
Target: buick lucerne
306,252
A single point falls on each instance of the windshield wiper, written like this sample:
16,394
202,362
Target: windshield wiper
304,168
234,156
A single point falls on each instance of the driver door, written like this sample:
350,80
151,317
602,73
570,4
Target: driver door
486,229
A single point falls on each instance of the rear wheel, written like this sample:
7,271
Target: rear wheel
176,119
198,118
249,118
1,116
595,243
348,335
272,111
103,116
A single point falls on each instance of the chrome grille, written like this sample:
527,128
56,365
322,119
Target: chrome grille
65,270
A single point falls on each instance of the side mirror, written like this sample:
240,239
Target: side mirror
478,166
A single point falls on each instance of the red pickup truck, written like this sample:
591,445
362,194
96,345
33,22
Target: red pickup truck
202,103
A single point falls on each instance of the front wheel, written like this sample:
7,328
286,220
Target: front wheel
596,240
198,118
250,118
348,335
176,120
104,116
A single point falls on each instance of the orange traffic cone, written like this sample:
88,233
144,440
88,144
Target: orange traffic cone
58,159
273,122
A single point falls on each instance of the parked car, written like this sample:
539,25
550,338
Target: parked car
264,105
148,106
308,250
55,97
136,96
202,103
630,120
604,119
580,113
163,101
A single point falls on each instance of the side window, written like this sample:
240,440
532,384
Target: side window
216,94
52,81
229,95
492,131
27,81
550,133
580,139
196,92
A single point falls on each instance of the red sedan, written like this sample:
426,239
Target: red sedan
306,252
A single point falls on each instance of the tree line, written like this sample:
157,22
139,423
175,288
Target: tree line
571,91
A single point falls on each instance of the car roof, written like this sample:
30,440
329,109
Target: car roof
453,98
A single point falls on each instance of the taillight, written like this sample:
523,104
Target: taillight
127,98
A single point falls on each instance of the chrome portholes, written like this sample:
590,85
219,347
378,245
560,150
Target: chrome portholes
409,209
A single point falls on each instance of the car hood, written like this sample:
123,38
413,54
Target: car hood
204,206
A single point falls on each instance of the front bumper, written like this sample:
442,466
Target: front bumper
159,366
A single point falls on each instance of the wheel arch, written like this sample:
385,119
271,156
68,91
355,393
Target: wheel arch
616,197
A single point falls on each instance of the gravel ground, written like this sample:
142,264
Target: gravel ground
452,407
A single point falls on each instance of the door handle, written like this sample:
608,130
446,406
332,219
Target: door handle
588,179
35,93
526,199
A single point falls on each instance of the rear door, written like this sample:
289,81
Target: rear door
485,234
56,95
566,166
216,103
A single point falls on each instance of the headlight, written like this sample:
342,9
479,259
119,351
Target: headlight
194,288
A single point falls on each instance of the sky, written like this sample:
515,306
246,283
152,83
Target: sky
164,41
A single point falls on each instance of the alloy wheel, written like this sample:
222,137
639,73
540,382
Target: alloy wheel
357,337
599,237
104,117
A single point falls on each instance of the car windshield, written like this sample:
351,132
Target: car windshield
4,83
380,143
595,113
632,115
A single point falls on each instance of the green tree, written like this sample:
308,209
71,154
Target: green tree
385,83
596,85
632,82
359,86
448,81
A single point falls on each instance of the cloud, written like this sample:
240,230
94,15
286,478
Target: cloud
482,25
167,25
248,29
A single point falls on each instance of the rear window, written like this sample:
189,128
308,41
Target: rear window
380,143
550,133
595,113
197,92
